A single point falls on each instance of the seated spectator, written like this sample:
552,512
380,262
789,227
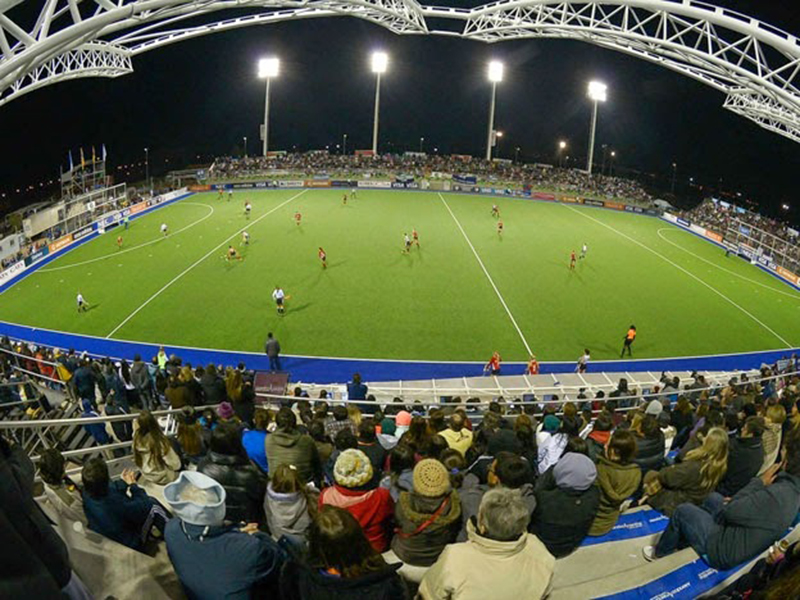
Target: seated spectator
418,434
650,443
551,443
566,503
402,422
388,435
60,491
526,434
344,440
618,478
286,504
710,418
244,483
598,438
152,451
500,560
119,510
433,447
771,438
213,386
341,563
693,479
316,429
214,560
368,444
727,534
177,393
287,446
457,435
745,457
428,518
339,421
372,507
190,439
226,414
401,471
682,419
253,440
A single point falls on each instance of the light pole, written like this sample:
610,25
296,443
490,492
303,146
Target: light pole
516,155
498,135
597,93
421,141
267,69
380,60
674,174
495,74
147,168
562,145
344,145
245,146
611,164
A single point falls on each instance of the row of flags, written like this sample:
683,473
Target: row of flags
83,159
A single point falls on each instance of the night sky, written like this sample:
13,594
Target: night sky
201,97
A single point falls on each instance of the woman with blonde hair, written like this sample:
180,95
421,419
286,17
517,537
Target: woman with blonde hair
354,414
153,452
233,384
691,480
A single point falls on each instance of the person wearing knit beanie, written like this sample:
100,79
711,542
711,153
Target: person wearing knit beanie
551,424
352,469
431,478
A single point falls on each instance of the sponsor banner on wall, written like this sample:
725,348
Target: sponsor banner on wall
84,232
343,183
615,205
543,196
12,271
137,208
634,209
290,183
570,199
199,188
670,217
368,183
683,222
713,235
37,256
60,243
465,179
318,183
243,186
591,202
653,212
786,274
697,229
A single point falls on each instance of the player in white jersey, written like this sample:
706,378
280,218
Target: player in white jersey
247,208
279,296
584,250
406,243
164,229
81,303
245,238
230,195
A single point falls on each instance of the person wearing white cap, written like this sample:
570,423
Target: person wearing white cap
213,559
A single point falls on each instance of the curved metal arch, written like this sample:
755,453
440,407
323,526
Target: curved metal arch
756,65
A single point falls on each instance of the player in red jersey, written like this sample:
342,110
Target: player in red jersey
415,237
119,242
493,366
572,261
500,228
533,366
298,217
323,257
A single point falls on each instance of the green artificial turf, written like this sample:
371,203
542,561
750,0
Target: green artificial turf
435,303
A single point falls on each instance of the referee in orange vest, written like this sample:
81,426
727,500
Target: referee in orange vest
629,337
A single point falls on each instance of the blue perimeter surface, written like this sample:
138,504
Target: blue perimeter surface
338,370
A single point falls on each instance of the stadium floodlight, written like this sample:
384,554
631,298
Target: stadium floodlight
380,61
268,68
597,93
495,74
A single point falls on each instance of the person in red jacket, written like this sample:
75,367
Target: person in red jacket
356,492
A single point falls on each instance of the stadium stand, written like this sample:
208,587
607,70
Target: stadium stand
395,470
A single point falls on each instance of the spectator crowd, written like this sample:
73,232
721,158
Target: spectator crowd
315,499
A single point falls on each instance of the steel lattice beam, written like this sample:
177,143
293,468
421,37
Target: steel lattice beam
755,65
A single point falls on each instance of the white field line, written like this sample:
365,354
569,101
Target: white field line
680,268
201,259
489,277
132,248
777,291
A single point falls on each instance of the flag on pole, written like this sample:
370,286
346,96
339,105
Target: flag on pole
71,166
83,160
103,152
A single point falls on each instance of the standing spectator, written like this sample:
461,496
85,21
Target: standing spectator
85,381
566,503
214,560
457,435
119,510
272,348
341,563
693,479
162,359
244,483
745,457
152,451
428,518
729,534
287,505
253,440
140,377
96,430
356,390
287,446
618,478
353,491
177,393
500,560
213,386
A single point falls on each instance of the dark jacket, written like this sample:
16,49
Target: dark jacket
679,483
376,454
650,452
301,582
754,518
223,562
140,377
412,512
119,517
35,561
596,441
745,457
562,517
293,448
272,348
178,396
243,482
84,380
471,493
616,482
213,389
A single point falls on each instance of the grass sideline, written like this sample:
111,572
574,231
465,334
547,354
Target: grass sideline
435,303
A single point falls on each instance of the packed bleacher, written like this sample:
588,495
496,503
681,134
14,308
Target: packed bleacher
543,177
313,498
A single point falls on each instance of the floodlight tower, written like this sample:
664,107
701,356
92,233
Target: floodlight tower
267,69
597,94
380,60
495,74
562,145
